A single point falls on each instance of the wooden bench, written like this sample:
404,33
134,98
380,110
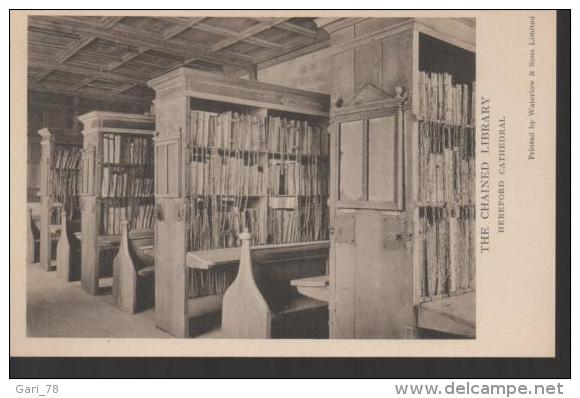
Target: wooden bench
134,271
33,239
68,250
251,310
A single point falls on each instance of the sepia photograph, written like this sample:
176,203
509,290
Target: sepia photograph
251,177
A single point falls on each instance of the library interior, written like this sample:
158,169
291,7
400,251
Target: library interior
250,177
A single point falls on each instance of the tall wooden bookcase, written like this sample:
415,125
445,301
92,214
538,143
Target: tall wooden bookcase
117,184
61,154
209,188
401,175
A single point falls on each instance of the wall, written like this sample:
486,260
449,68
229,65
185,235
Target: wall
311,72
55,110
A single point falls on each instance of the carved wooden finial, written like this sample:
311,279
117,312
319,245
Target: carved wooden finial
399,91
245,235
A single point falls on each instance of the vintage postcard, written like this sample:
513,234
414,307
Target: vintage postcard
297,183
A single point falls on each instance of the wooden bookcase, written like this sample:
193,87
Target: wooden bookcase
403,244
59,191
117,184
264,166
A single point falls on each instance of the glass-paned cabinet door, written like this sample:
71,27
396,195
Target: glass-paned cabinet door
370,162
351,161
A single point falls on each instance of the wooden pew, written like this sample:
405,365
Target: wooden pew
134,272
68,251
313,286
33,239
248,310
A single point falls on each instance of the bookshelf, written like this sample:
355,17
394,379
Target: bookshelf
60,163
444,246
235,153
117,185
402,91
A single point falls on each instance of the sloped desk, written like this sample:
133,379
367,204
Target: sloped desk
274,253
279,265
454,315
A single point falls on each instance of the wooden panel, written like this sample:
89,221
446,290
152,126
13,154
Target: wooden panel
124,275
368,65
369,25
351,161
342,89
342,36
167,167
345,228
66,264
383,165
170,275
171,311
397,61
384,289
161,170
90,252
343,316
245,313
230,89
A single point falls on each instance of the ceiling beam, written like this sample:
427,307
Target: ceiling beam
235,37
65,55
71,51
122,89
96,73
301,30
109,22
134,38
114,65
283,23
181,27
84,82
47,88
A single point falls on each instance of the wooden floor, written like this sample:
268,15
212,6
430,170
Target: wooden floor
62,309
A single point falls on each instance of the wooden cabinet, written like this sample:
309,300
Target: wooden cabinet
117,185
232,154
370,231
385,182
59,191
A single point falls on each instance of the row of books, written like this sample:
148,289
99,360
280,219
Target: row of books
214,174
73,210
302,224
216,223
446,245
441,99
65,184
212,282
290,136
66,157
446,164
233,132
293,178
131,150
139,216
122,182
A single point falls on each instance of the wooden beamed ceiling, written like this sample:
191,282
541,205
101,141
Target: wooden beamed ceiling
112,57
